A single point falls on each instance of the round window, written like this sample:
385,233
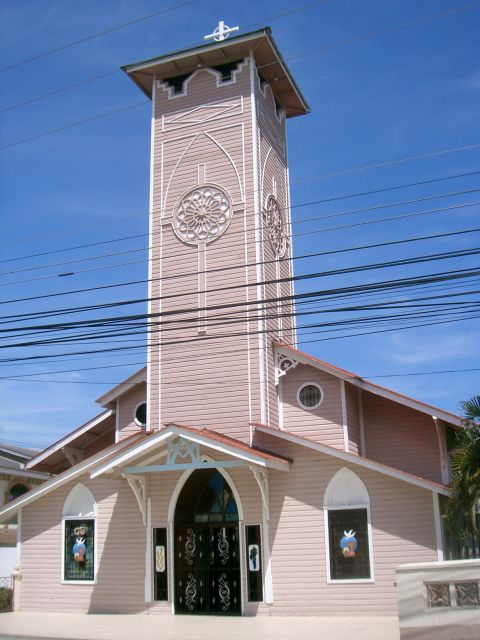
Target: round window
141,414
310,395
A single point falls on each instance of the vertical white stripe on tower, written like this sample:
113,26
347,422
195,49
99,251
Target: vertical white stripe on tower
150,259
256,205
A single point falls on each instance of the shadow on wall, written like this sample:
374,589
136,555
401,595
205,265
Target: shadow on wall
121,564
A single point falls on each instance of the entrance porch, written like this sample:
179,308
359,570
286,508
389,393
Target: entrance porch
204,502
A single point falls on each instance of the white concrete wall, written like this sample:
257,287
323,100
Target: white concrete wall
418,620
8,558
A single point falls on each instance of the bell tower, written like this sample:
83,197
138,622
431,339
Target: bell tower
220,250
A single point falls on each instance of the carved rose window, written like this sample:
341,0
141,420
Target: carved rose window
202,215
275,222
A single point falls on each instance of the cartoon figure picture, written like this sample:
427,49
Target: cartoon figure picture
253,557
349,544
79,549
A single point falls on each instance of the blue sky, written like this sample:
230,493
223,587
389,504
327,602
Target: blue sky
400,94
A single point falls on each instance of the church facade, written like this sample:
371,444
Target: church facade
234,474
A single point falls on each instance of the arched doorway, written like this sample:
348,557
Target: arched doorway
207,556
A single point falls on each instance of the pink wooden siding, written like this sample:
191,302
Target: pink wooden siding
325,423
403,531
127,404
401,437
120,552
402,521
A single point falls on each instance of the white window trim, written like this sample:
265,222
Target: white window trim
331,580
137,422
306,384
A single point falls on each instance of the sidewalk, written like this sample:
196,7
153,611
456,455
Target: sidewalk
73,626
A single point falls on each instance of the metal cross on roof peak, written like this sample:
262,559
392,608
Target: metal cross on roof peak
221,32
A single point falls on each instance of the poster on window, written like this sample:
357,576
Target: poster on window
253,557
79,550
159,558
349,547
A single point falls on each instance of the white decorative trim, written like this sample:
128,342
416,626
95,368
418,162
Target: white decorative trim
261,476
194,137
117,420
230,109
150,258
138,484
281,418
222,148
80,496
258,257
346,437
310,384
182,448
144,446
149,592
357,460
283,364
438,526
219,80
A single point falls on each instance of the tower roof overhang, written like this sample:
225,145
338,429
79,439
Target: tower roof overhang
267,58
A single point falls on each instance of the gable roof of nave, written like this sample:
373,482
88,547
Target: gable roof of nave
353,458
366,385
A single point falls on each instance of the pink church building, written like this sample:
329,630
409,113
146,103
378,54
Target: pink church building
234,474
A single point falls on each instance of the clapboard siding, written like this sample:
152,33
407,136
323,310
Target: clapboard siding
126,410
120,540
325,423
403,531
401,437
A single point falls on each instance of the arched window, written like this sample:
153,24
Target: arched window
79,532
16,490
348,537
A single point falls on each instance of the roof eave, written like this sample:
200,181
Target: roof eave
141,68
372,387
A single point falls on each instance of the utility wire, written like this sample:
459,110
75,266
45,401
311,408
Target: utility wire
236,287
221,269
306,233
81,83
145,214
239,232
73,43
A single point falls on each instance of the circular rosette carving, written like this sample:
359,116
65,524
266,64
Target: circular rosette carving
202,215
275,222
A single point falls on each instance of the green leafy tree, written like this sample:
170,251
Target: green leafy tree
464,504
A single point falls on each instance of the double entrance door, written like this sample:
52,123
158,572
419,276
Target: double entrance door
207,569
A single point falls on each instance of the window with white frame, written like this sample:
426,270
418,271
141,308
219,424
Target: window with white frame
348,537
310,396
79,535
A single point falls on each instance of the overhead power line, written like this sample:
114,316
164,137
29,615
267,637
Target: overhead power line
322,201
232,234
306,233
222,269
73,43
112,72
